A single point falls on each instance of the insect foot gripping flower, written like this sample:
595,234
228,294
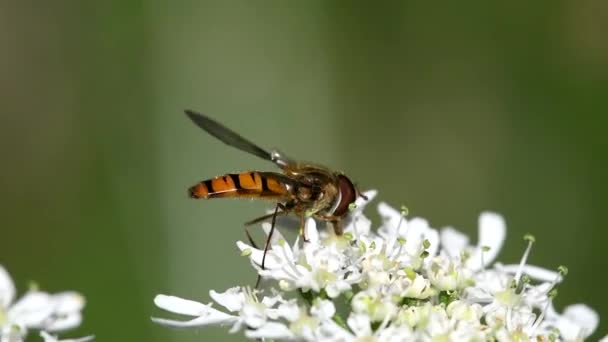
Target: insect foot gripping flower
37,310
404,281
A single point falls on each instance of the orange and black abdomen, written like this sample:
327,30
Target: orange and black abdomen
245,184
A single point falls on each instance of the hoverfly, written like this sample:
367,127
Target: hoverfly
303,189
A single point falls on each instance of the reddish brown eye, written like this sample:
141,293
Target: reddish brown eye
348,195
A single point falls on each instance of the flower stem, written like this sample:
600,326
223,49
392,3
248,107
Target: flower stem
339,320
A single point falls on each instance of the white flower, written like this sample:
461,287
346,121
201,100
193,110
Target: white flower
408,281
51,338
245,311
312,267
36,310
577,322
375,306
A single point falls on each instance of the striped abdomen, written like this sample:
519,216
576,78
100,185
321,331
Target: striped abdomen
246,184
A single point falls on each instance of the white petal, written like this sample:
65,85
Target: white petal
360,202
312,234
7,288
359,324
253,315
390,226
419,288
358,226
334,289
290,311
67,302
32,309
50,338
324,309
232,299
390,216
453,241
418,230
271,330
257,256
80,339
583,316
492,232
12,333
276,234
64,322
214,318
181,306
271,301
535,272
331,331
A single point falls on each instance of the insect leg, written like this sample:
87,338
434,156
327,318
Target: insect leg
261,219
336,222
302,226
274,220
251,242
266,217
337,227
273,215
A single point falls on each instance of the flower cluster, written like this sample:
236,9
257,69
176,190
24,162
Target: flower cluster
404,281
37,310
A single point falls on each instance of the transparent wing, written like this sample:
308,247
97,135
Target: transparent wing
227,136
233,139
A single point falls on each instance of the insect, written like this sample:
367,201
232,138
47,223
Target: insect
302,188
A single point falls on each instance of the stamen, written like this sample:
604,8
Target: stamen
250,294
372,245
33,286
410,273
524,259
362,247
464,256
484,249
404,212
426,244
525,279
552,295
401,242
385,321
562,271
508,318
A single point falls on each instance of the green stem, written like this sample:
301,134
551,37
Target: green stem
340,321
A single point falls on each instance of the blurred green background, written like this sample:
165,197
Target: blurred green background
450,109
